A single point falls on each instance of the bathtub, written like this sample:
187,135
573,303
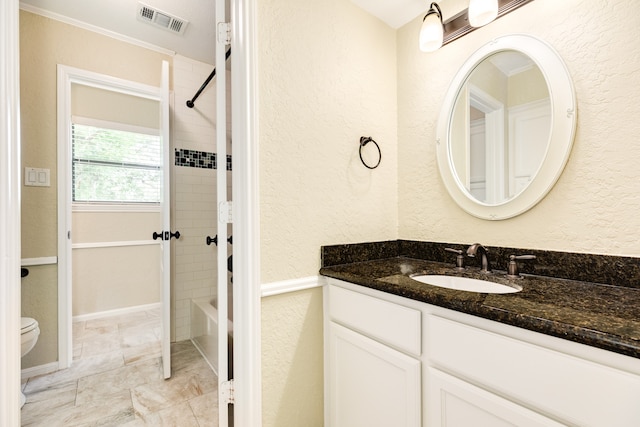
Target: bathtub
204,330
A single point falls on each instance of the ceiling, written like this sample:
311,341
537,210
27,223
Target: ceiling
120,16
197,42
394,13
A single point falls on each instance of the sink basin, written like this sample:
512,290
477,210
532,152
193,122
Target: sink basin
465,284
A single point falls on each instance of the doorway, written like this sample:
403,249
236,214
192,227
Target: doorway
111,143
246,278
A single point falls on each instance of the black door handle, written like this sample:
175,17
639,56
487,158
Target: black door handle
165,235
215,240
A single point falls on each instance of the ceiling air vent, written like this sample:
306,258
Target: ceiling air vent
161,19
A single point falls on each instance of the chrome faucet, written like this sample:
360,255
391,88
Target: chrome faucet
484,253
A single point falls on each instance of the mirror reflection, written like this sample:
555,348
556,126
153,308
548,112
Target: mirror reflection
500,127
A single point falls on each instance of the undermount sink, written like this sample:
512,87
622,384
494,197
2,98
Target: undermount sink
465,284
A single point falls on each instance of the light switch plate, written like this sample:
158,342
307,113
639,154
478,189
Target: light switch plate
36,177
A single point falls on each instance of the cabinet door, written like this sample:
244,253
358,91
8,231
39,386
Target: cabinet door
452,402
370,384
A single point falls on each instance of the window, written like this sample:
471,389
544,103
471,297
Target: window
115,164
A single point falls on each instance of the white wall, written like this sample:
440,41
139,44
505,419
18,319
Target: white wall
194,211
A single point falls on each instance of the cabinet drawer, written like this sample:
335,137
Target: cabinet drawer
577,391
392,324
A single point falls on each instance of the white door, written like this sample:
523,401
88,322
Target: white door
224,213
165,245
529,126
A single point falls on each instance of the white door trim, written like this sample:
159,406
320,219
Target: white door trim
66,77
246,216
222,199
9,214
165,210
494,142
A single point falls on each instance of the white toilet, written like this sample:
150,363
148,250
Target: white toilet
29,332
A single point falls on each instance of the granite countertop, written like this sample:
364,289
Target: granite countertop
598,315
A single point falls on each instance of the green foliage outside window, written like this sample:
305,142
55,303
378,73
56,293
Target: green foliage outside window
114,166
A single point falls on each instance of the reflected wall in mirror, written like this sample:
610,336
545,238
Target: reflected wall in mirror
502,138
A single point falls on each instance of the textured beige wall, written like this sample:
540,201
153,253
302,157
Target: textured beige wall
44,43
292,354
114,277
91,102
593,207
327,75
92,227
527,87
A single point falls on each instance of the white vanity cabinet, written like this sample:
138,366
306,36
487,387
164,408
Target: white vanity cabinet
453,402
372,366
384,353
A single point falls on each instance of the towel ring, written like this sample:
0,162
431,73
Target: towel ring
364,140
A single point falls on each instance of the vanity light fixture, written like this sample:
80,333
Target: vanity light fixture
432,30
481,12
435,33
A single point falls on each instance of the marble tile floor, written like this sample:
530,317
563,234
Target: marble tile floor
116,380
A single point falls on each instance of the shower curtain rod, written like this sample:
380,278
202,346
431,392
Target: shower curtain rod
190,103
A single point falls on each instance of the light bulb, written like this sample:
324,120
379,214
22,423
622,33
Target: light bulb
481,12
431,33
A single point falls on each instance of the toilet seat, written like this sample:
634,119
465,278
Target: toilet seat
27,325
29,332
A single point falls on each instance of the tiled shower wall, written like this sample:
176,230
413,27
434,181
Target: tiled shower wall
194,213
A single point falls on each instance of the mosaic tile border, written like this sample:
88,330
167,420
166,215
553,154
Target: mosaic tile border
199,159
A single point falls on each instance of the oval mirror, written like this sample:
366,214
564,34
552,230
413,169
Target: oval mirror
506,127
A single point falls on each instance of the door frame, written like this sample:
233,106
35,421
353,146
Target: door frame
494,142
66,77
10,174
247,298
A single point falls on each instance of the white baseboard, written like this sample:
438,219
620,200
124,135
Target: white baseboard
115,312
34,371
284,286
